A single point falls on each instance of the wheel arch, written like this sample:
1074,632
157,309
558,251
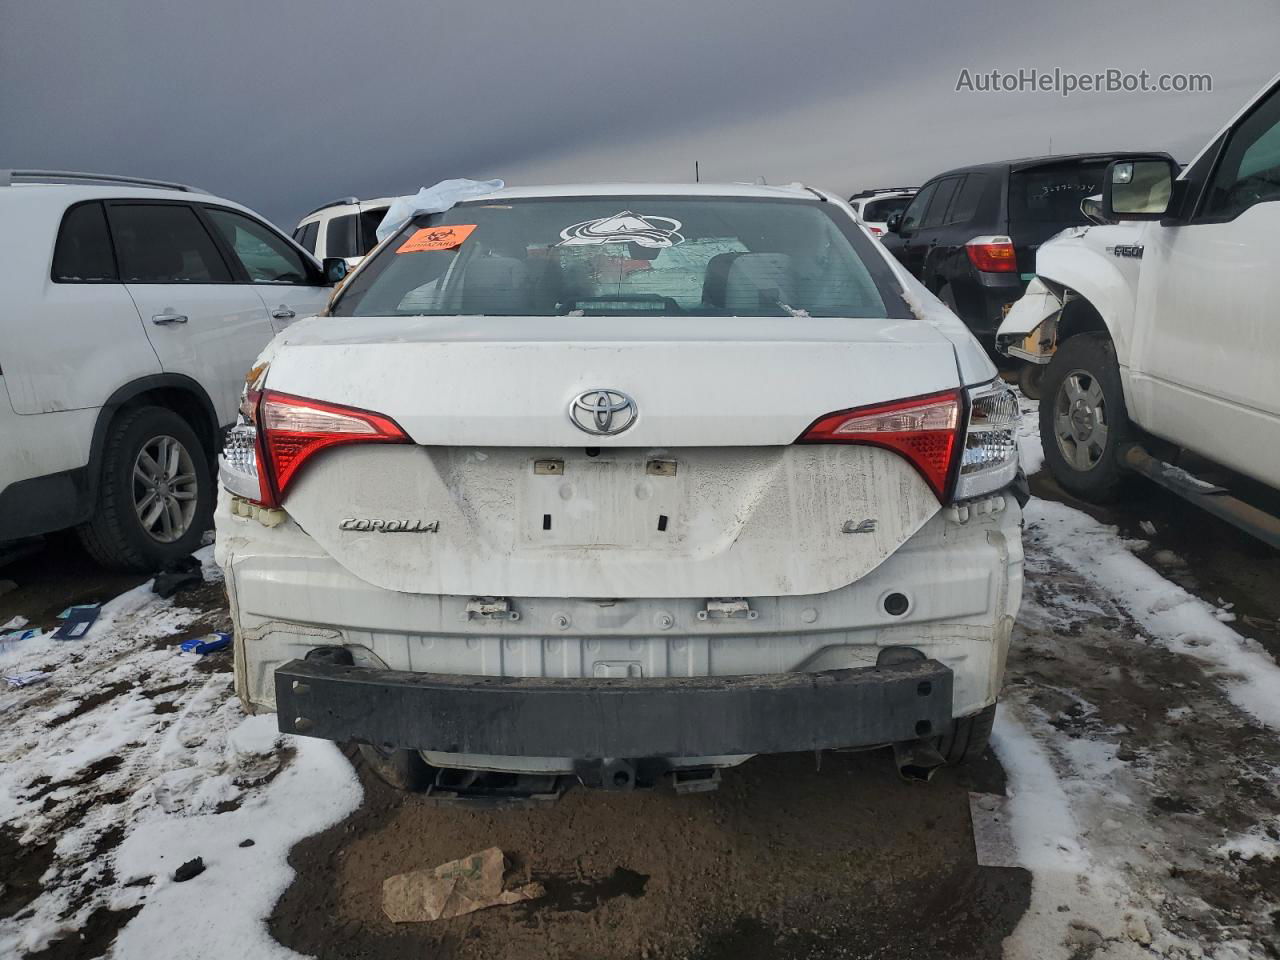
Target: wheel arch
174,391
1099,297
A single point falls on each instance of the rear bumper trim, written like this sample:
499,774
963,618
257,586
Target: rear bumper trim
593,718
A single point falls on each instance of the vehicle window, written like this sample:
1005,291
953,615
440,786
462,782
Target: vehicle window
941,200
1249,172
369,220
878,211
915,212
1052,194
625,256
965,206
267,258
83,251
340,237
166,243
310,232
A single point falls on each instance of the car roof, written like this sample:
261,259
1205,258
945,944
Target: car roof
791,191
1030,163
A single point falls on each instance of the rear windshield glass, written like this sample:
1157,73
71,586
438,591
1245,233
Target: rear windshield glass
1053,194
612,256
877,211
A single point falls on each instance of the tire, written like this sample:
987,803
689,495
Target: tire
401,769
1030,379
1081,391
967,739
183,492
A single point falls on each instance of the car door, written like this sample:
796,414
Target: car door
906,245
1207,332
931,229
201,323
290,283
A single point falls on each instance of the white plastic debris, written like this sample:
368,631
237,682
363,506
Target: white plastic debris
434,199
25,679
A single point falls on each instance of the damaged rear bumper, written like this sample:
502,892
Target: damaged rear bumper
597,719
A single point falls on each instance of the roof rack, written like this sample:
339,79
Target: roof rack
871,193
8,177
332,203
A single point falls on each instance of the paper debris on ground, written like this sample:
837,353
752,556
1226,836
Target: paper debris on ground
452,889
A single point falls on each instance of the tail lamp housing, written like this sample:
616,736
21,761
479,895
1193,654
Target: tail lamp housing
278,433
992,254
962,442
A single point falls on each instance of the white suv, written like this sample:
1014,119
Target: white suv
133,310
622,483
1159,330
343,228
875,207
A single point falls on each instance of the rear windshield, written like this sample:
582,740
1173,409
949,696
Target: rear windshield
877,211
613,256
1053,194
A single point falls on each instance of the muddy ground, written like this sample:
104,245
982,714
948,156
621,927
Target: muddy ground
789,860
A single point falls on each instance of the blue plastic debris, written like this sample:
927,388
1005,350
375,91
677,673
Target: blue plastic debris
76,621
210,644
11,639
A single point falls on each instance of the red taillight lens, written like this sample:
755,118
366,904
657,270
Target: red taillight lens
294,429
992,255
925,430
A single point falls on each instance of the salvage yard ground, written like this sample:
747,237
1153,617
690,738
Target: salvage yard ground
1136,767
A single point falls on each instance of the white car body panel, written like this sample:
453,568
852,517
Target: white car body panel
1192,321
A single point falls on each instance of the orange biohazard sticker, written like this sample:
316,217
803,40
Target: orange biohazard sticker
436,238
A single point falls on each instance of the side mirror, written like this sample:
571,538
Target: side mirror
335,270
893,223
1138,189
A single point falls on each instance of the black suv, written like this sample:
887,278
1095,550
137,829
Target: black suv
971,234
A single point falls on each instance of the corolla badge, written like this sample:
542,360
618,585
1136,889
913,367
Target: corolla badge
602,412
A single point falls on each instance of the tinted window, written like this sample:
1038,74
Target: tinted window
625,256
340,237
83,251
1052,194
915,212
965,205
1249,172
369,220
164,244
309,234
941,200
267,258
878,211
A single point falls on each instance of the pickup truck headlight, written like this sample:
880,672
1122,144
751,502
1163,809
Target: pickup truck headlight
990,458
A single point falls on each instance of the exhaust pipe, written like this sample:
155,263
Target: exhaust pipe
917,760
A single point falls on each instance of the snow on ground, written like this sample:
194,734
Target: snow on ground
132,758
1137,731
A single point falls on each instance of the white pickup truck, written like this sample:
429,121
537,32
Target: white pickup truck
1161,331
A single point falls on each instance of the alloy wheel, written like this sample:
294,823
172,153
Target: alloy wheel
1080,420
165,489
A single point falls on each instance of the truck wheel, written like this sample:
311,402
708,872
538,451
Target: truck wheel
155,493
1030,377
968,736
402,769
1083,420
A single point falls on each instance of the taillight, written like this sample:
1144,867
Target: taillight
926,430
294,429
992,254
277,433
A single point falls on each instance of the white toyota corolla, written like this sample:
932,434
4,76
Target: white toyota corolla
621,485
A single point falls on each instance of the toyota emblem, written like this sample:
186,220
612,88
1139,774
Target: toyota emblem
602,413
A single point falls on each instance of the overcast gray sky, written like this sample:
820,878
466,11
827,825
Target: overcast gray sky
284,104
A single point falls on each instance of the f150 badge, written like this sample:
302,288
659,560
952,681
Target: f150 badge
390,526
1126,250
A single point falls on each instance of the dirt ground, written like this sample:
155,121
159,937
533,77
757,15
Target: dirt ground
788,860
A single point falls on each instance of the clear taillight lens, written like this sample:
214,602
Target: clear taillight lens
990,457
238,465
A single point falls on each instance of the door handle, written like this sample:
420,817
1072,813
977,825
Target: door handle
160,319
283,313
